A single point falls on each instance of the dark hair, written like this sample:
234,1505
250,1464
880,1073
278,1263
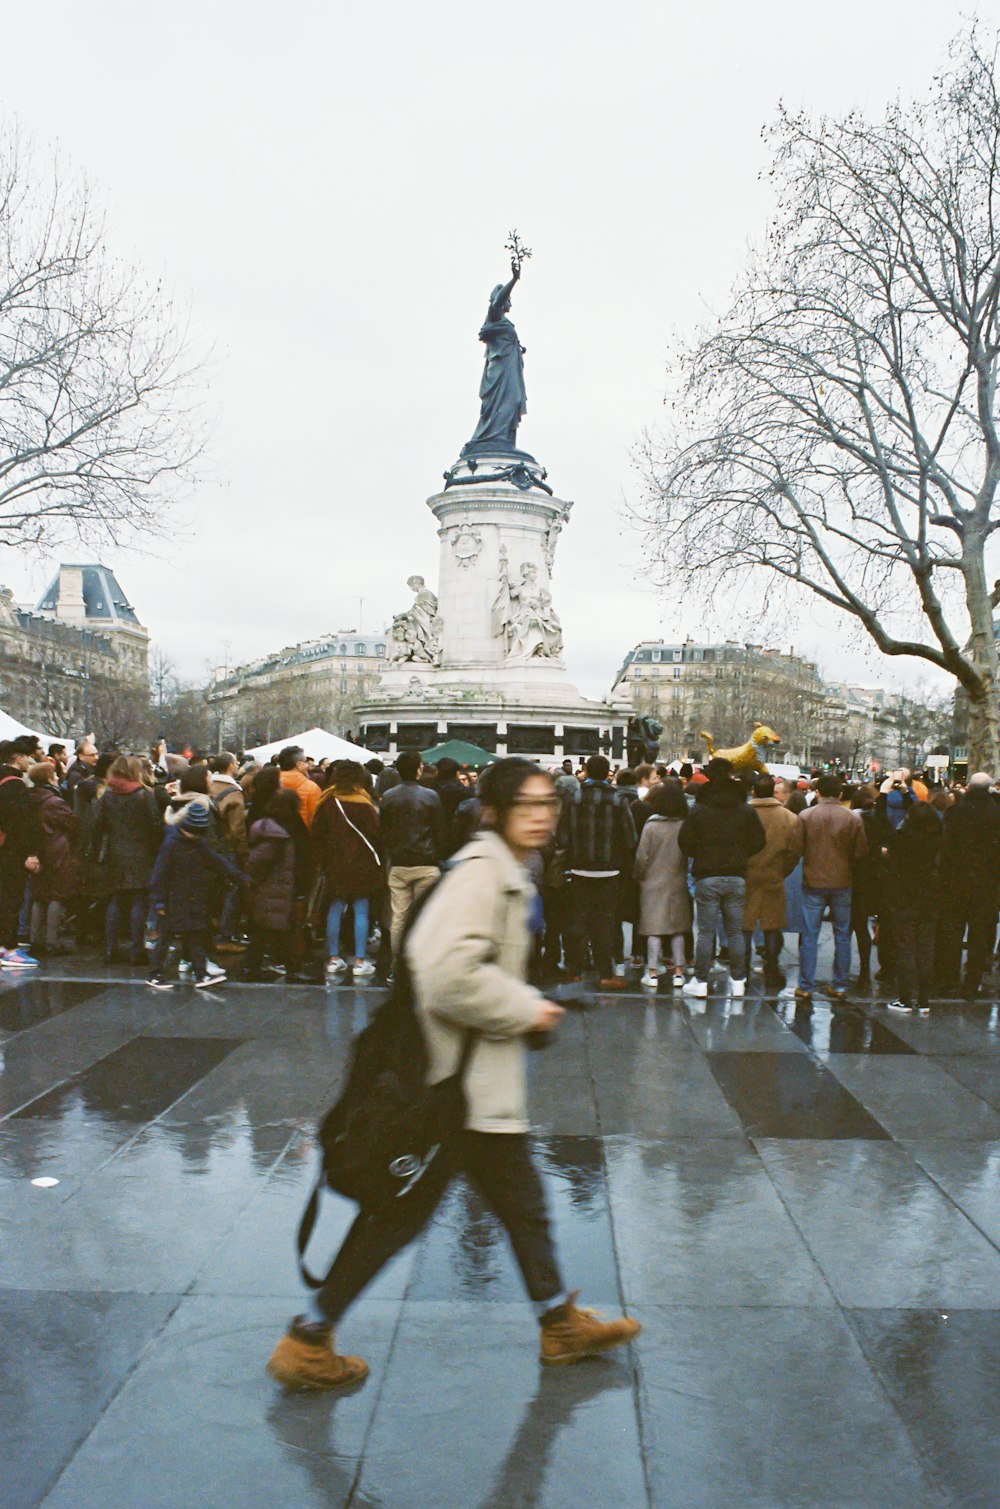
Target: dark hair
598,767
374,767
718,768
195,778
686,771
864,797
626,778
290,757
6,751
667,800
220,763
408,763
265,784
283,806
923,819
55,749
447,768
500,783
104,764
796,803
829,785
345,776
763,787
199,757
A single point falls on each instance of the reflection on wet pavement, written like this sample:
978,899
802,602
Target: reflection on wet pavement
803,1211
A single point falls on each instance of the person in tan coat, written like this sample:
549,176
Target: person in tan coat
766,871
467,954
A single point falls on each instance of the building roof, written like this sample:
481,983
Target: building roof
102,595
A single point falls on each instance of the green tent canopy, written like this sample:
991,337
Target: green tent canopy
460,752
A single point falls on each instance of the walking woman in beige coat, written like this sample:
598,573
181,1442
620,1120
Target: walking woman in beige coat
468,955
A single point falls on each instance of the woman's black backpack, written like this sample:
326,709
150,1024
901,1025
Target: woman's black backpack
389,1128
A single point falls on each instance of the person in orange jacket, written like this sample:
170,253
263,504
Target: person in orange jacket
293,766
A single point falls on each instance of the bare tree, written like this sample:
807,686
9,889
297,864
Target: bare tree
836,434
98,421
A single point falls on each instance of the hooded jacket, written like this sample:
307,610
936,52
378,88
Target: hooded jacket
721,832
271,867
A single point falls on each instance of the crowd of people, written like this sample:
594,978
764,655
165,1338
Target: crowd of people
309,871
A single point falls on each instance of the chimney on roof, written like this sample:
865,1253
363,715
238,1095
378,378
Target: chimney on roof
71,607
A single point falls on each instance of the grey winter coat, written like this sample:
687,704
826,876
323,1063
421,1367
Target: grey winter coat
661,870
126,834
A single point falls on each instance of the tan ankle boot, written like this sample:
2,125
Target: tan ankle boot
305,1358
569,1334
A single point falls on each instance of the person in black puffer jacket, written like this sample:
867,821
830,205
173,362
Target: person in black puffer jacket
910,879
719,835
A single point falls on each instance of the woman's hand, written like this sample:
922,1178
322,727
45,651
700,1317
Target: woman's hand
547,1017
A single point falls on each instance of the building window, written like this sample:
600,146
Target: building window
380,650
359,649
657,654
343,649
678,654
677,673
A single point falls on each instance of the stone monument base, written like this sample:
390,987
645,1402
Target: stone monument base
544,727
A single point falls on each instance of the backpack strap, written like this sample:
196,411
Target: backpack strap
368,845
305,1231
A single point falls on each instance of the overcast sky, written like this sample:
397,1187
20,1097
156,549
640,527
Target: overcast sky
329,188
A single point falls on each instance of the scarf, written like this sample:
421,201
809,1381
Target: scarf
122,786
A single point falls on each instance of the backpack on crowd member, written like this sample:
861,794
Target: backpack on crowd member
388,1127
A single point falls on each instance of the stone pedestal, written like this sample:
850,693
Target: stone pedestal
496,515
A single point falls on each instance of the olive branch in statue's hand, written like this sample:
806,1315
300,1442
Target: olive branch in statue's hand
519,253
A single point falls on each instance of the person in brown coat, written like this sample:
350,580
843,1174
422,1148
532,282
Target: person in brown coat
665,909
58,877
345,838
766,871
230,807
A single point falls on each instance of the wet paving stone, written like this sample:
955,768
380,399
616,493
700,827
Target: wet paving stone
915,1097
829,1032
786,1095
28,1002
770,1409
506,1433
138,1080
216,1431
880,1229
940,1370
969,1174
701,1223
63,1358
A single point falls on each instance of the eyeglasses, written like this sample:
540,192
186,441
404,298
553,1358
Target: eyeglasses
536,803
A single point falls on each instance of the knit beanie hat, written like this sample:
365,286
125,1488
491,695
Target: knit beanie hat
195,819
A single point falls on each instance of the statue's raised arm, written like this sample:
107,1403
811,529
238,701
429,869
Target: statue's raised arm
500,297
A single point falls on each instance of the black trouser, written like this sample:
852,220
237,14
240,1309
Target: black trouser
862,933
913,945
773,939
279,943
593,917
499,1166
13,879
554,918
979,915
192,943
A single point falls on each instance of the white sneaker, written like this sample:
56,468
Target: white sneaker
336,967
696,987
738,987
362,969
184,967
213,971
649,978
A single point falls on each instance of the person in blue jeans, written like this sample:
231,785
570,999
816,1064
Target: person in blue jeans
719,835
833,840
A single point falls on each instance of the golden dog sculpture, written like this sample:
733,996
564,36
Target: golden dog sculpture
745,756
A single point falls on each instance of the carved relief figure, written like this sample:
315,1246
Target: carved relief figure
416,634
466,543
523,615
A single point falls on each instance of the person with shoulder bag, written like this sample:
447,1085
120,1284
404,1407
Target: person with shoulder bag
345,831
467,953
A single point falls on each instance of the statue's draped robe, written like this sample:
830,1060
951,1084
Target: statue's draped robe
501,392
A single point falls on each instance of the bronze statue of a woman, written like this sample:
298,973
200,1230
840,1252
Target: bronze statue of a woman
502,395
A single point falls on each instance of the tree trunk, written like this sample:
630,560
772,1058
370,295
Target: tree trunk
984,709
984,730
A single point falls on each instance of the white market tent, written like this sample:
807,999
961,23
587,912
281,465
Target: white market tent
11,729
316,743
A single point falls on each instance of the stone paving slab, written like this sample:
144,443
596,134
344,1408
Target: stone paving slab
810,1298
